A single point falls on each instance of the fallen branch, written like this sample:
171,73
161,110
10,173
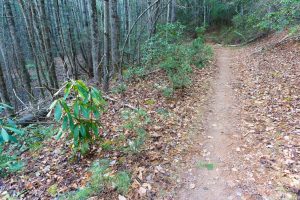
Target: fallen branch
124,105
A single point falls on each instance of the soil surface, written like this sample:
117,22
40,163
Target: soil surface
210,175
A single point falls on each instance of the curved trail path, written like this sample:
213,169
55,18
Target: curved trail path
210,177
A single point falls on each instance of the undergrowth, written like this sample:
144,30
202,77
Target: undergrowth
102,178
170,51
270,16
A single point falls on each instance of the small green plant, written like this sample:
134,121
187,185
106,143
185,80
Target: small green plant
80,194
120,89
101,178
121,182
80,117
8,127
9,163
8,135
107,146
177,66
96,184
161,46
201,53
208,166
163,112
134,72
136,121
294,30
52,190
167,92
135,145
36,134
135,118
200,31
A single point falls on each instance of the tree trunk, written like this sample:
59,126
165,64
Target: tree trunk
3,89
152,17
173,11
87,44
127,22
95,41
17,44
46,33
8,75
204,13
126,11
115,31
38,38
105,68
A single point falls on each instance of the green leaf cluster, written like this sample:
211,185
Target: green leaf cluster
79,113
8,135
8,127
101,178
268,16
9,163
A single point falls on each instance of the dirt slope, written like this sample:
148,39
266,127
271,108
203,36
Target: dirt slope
268,88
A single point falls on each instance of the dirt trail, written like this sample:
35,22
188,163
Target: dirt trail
209,178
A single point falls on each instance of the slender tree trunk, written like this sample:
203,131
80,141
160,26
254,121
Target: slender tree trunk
204,13
38,39
105,68
95,41
115,30
149,24
173,11
72,41
49,53
87,44
3,89
127,22
17,44
169,12
6,67
63,41
153,16
126,11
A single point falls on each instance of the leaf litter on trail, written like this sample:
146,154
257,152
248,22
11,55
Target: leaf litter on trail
268,89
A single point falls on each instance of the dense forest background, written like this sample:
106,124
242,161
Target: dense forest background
45,42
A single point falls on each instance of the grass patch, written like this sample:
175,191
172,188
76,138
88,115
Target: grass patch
208,166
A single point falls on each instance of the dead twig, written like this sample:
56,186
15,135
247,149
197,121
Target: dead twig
246,134
123,104
19,99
